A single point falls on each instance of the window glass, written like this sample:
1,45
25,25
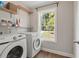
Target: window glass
47,24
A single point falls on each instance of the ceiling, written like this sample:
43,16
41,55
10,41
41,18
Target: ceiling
33,4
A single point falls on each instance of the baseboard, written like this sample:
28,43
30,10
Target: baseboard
58,52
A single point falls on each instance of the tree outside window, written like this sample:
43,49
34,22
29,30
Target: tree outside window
48,25
48,22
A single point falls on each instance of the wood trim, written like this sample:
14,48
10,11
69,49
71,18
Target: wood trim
25,9
58,52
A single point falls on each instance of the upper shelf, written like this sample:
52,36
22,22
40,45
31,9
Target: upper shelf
12,8
7,10
25,9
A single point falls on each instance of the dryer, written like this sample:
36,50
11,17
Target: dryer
13,47
33,44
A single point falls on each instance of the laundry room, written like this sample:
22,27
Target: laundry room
39,29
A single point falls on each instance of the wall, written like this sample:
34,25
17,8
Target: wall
24,18
4,14
64,31
34,20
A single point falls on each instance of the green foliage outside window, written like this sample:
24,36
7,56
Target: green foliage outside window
48,21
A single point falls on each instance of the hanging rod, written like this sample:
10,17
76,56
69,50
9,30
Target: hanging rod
48,5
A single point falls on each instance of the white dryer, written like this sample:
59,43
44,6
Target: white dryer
33,44
13,47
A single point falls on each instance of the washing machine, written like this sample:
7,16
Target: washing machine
13,46
33,44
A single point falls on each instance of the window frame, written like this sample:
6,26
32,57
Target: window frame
39,22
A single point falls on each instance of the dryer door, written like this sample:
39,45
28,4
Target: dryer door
15,50
36,44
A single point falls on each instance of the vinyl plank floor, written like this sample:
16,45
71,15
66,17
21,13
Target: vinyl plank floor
44,54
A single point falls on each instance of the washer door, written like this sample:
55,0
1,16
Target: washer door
36,44
15,50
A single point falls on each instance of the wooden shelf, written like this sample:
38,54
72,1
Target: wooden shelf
25,9
7,10
11,8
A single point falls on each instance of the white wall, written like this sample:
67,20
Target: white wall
24,18
4,14
22,15
65,29
34,20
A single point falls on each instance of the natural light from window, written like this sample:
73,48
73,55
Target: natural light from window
47,26
47,21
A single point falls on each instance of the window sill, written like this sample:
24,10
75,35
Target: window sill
51,40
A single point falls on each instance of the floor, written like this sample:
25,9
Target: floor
44,54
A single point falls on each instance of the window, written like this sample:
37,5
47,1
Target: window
47,22
47,19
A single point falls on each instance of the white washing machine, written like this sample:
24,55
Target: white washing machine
33,44
13,46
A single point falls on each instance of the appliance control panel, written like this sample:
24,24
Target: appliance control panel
19,36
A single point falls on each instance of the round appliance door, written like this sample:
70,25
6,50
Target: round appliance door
37,44
15,50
